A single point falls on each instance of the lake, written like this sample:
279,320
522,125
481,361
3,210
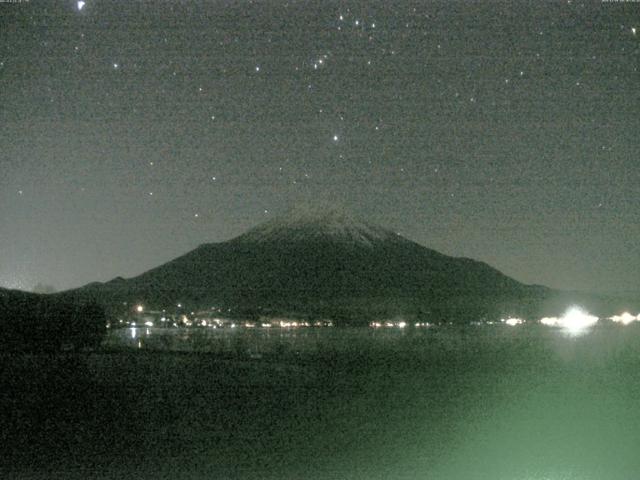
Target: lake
479,402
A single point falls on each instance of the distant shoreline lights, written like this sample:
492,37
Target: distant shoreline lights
575,321
626,318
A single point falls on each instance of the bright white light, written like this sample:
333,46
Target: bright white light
626,318
81,5
139,309
335,138
633,30
576,320
513,321
133,333
402,324
149,323
550,321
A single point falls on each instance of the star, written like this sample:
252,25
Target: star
80,5
116,66
335,138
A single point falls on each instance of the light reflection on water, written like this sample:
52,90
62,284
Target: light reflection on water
261,340
499,403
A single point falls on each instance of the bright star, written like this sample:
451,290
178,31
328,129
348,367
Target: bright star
335,138
81,5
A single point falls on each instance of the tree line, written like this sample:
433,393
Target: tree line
30,322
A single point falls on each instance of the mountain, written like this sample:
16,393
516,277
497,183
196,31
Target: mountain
325,263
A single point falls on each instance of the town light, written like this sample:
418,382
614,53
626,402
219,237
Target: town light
576,320
139,308
513,321
626,318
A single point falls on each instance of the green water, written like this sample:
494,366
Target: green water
447,403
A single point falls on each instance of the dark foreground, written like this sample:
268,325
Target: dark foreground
475,403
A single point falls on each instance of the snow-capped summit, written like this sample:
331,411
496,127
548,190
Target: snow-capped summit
318,222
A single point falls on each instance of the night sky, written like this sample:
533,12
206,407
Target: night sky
131,132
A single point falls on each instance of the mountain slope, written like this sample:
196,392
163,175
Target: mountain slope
322,263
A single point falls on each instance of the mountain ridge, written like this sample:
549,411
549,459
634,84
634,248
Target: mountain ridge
323,262
330,264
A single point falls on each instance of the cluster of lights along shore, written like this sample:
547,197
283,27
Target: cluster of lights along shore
574,321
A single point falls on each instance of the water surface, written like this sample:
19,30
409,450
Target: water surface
500,402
